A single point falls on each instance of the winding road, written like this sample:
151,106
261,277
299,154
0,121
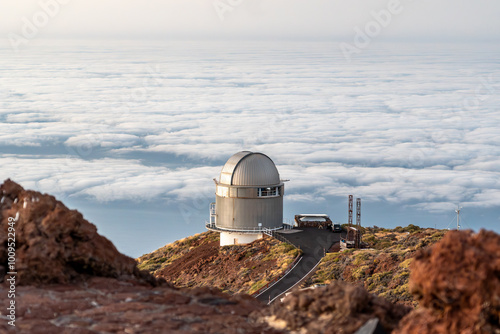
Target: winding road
313,242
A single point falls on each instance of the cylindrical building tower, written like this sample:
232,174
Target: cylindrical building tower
248,199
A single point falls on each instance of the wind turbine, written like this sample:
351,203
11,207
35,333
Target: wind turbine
458,216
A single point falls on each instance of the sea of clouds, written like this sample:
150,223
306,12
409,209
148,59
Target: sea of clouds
417,126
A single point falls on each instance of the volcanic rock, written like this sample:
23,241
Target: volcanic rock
457,284
54,244
107,305
337,308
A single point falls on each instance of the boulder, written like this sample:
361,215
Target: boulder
337,308
54,244
457,285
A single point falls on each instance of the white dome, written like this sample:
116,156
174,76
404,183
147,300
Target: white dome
249,169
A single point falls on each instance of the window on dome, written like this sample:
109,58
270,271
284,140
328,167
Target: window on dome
222,191
269,192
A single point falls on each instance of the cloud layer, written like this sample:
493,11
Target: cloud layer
418,127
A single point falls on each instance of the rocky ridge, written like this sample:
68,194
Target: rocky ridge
54,244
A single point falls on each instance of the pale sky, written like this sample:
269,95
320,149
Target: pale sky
457,20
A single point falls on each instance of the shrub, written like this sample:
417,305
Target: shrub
399,229
256,286
412,228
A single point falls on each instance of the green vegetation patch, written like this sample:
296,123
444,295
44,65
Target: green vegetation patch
385,268
257,285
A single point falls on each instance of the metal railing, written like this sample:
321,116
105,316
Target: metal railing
259,229
254,230
277,278
274,234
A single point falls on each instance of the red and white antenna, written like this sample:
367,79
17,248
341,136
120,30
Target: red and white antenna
350,210
358,222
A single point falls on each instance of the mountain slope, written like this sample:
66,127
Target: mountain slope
384,268
200,261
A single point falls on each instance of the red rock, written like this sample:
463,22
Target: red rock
101,305
337,308
457,283
55,244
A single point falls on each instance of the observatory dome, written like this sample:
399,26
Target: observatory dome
249,169
248,199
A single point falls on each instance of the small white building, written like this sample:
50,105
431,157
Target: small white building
248,199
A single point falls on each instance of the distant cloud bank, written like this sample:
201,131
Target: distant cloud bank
147,122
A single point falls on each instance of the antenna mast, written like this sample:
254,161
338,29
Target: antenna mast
357,241
349,222
350,231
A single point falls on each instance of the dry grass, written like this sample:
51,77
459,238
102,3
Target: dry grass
385,268
199,261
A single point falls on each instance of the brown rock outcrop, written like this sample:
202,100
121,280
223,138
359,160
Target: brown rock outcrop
107,305
54,244
337,308
457,283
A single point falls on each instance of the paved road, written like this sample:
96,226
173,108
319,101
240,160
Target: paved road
313,243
